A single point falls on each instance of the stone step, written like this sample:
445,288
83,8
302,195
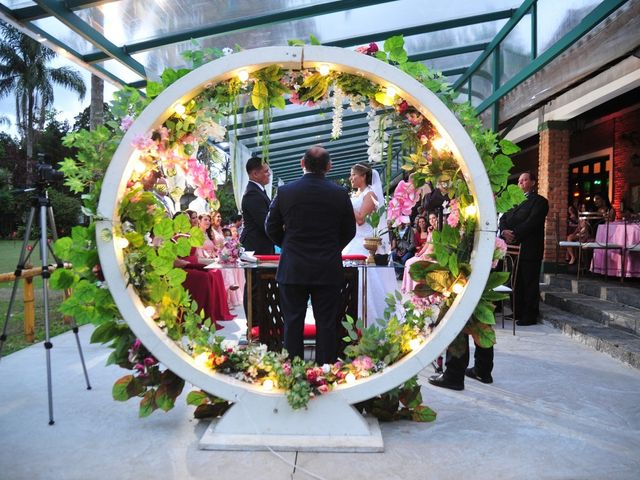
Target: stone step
605,312
613,290
614,342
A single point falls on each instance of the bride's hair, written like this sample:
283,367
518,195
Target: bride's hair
362,169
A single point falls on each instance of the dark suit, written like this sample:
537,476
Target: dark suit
312,220
255,205
527,223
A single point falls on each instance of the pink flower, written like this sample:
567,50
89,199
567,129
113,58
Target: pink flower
149,361
400,206
125,123
454,216
324,388
499,252
373,48
362,363
136,345
143,143
139,367
287,368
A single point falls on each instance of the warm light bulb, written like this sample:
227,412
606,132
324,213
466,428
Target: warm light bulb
391,92
139,167
457,288
243,76
201,360
122,242
470,210
267,385
324,69
150,311
414,343
350,378
179,109
439,143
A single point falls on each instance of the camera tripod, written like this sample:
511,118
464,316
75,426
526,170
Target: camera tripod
42,205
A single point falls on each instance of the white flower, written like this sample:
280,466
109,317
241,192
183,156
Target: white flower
213,131
376,137
326,368
338,98
227,51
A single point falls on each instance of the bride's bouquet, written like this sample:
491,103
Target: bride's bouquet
230,252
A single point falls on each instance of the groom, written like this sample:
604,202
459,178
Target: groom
312,220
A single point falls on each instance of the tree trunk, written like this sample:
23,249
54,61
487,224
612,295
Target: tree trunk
96,110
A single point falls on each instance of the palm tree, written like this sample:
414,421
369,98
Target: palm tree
24,71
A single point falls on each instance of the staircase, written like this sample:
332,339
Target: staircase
603,315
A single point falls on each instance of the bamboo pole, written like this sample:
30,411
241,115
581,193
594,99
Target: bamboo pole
29,310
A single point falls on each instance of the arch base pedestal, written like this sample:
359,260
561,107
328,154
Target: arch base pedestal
328,425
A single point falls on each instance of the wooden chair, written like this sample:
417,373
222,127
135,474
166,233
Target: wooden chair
510,264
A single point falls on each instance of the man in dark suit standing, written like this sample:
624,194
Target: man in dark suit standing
524,224
312,220
255,205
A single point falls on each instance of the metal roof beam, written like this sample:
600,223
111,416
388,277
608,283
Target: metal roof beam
238,25
447,52
296,148
501,35
597,15
35,12
80,27
417,30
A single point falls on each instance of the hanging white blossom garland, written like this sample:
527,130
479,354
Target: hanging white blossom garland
377,137
336,126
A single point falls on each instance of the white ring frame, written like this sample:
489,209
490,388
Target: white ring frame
120,170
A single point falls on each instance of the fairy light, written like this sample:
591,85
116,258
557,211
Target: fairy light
243,76
457,288
439,143
470,210
391,92
139,167
122,242
324,69
414,343
267,385
350,378
179,108
150,311
201,360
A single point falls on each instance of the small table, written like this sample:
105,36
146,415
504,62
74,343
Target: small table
617,233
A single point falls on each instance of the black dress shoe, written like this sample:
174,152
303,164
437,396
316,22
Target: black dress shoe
441,381
526,323
471,373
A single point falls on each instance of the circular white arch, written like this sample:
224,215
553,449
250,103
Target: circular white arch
120,170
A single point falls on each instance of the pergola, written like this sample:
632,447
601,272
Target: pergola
485,49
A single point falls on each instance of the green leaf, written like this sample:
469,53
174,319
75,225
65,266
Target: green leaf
197,397
147,404
484,313
394,43
453,264
507,147
154,89
422,413
62,278
183,247
176,276
483,334
295,42
313,40
164,229
181,224
164,401
119,390
496,279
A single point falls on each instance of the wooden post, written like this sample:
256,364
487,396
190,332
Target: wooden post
29,310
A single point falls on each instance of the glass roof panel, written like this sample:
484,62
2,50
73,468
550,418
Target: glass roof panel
555,19
17,3
60,31
515,50
120,70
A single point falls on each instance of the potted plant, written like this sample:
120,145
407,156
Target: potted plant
374,241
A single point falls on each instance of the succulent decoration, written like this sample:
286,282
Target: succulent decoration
176,147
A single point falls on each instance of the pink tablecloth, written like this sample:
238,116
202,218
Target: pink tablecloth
616,235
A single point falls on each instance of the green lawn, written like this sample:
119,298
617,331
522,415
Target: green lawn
9,257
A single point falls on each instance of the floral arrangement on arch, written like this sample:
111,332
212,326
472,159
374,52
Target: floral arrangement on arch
176,147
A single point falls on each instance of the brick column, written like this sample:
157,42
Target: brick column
553,182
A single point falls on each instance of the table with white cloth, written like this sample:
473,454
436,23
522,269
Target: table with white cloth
617,233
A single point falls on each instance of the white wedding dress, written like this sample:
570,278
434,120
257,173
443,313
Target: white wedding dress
380,280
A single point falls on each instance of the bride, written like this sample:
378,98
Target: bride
365,200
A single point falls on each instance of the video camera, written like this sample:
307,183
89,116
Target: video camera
45,173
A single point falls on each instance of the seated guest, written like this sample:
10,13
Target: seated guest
604,207
402,246
422,232
421,255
